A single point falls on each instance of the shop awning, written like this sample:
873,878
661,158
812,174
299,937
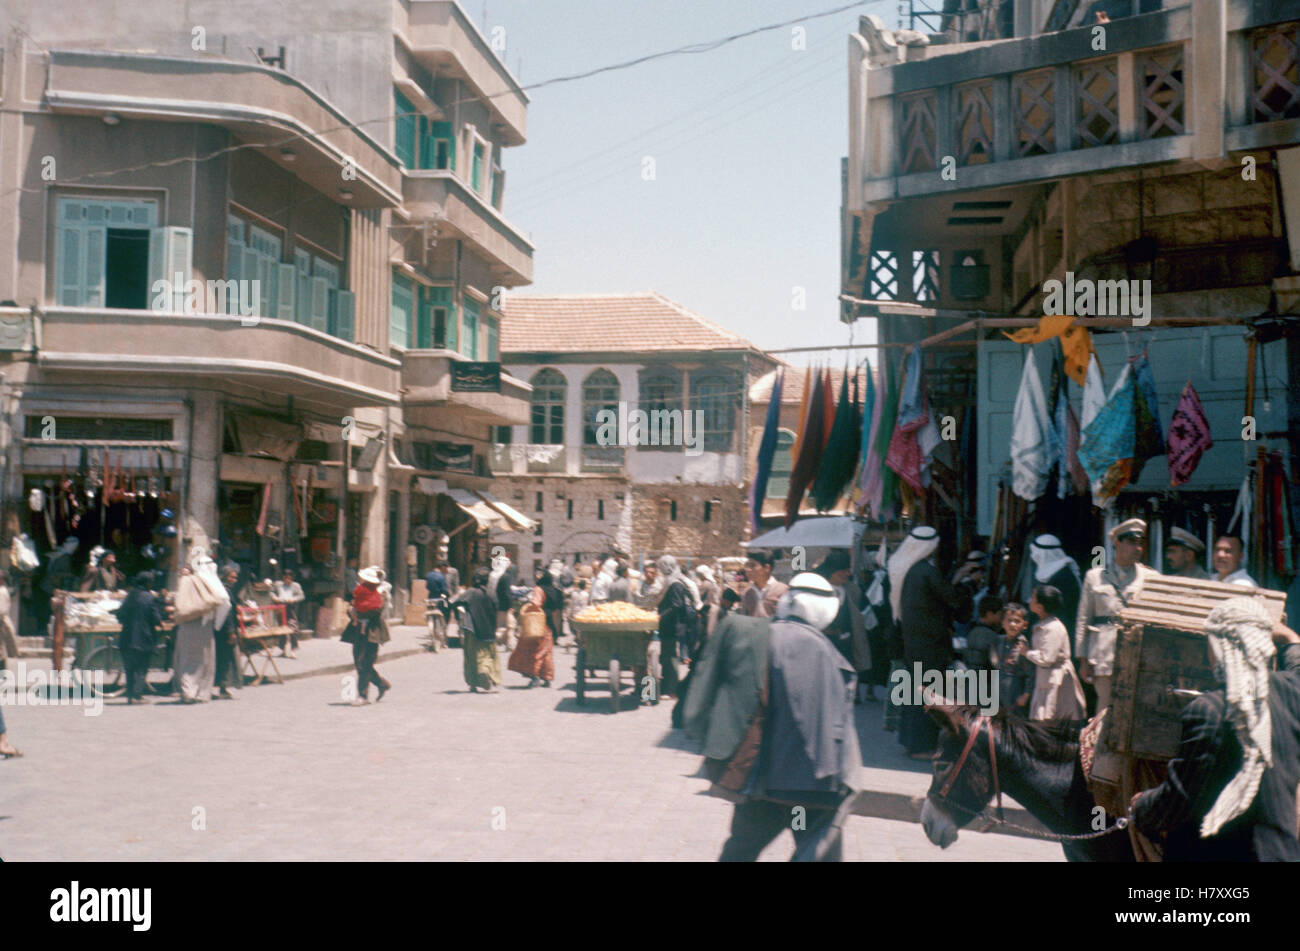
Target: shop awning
517,519
488,518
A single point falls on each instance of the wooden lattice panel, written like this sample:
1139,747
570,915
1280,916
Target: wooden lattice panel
1164,95
925,275
917,128
883,275
975,123
1032,100
1275,72
1096,104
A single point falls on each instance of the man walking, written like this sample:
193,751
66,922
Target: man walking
764,591
1106,591
1183,555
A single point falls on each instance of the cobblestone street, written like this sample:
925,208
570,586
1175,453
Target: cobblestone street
291,772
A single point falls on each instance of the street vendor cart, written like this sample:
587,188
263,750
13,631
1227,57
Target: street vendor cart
88,620
614,647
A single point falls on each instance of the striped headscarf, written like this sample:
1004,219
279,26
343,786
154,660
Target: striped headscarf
1241,650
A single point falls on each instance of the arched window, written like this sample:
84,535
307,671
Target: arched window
599,392
549,389
717,397
778,481
661,393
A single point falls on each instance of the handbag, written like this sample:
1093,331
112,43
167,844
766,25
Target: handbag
351,634
191,601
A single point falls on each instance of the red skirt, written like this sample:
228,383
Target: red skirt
534,657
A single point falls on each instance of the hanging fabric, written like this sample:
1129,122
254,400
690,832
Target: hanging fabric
810,451
1189,436
1148,438
867,414
887,501
766,453
805,399
869,481
1030,434
841,455
1106,444
1076,342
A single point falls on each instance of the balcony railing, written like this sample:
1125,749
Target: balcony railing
602,458
1077,101
519,459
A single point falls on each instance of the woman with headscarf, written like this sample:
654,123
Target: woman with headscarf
195,656
478,634
534,654
368,632
678,621
1230,793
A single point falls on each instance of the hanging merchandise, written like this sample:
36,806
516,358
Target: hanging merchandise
1189,436
1148,439
880,488
1030,435
841,456
912,443
1106,446
867,415
264,515
766,453
1076,342
805,400
869,481
810,450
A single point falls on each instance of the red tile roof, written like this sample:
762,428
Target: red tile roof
578,323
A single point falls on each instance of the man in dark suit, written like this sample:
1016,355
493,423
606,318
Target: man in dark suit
1231,790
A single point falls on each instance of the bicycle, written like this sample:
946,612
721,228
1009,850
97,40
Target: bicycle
436,612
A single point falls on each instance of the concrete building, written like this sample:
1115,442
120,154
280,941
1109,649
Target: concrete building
1158,146
586,353
339,163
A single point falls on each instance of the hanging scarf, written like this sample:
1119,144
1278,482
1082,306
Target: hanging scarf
1030,435
766,453
1240,633
1076,342
1189,436
841,456
864,437
1106,446
810,451
884,488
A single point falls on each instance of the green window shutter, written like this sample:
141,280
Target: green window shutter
476,174
406,127
493,328
470,340
424,320
399,323
453,325
440,134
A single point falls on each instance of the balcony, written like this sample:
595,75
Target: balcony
442,197
258,104
1190,83
525,459
443,40
427,393
278,357
602,459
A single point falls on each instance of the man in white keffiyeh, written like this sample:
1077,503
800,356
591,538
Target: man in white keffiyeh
1231,790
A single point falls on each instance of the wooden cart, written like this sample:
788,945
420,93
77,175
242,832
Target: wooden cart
96,650
614,647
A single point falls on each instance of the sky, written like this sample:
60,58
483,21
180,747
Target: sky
737,217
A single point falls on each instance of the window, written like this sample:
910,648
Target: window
600,509
437,145
469,342
672,509
504,435
570,509
102,429
537,550
406,124
400,315
778,481
599,392
263,259
661,392
716,397
498,179
432,317
549,390
492,331
708,511
480,159
108,254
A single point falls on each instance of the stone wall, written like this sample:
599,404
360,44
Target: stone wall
656,532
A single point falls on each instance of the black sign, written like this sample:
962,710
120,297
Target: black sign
450,455
475,377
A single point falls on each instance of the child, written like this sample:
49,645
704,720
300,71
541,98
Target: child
1017,680
1058,695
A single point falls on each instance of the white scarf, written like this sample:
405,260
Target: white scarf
1241,648
1049,558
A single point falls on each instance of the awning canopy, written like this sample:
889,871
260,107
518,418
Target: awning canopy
831,531
512,515
488,518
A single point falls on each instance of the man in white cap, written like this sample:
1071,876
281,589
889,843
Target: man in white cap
925,606
1230,795
1053,566
1106,591
810,761
1183,555
1228,555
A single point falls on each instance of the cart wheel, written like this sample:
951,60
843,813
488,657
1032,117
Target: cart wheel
582,677
105,658
613,685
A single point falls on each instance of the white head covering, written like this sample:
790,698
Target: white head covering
920,543
1049,558
1241,649
610,567
96,554
810,599
705,572
369,576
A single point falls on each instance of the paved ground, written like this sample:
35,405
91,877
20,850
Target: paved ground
291,772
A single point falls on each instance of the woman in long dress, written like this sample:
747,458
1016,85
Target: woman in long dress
534,654
195,657
1058,695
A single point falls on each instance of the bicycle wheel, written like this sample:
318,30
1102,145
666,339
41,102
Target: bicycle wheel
107,660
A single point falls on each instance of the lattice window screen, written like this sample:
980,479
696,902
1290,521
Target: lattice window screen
1275,73
975,123
1096,104
1163,93
925,275
1032,99
917,141
883,283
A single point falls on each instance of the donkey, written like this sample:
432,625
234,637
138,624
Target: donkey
1037,764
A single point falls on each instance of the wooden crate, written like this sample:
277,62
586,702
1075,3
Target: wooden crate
1161,648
